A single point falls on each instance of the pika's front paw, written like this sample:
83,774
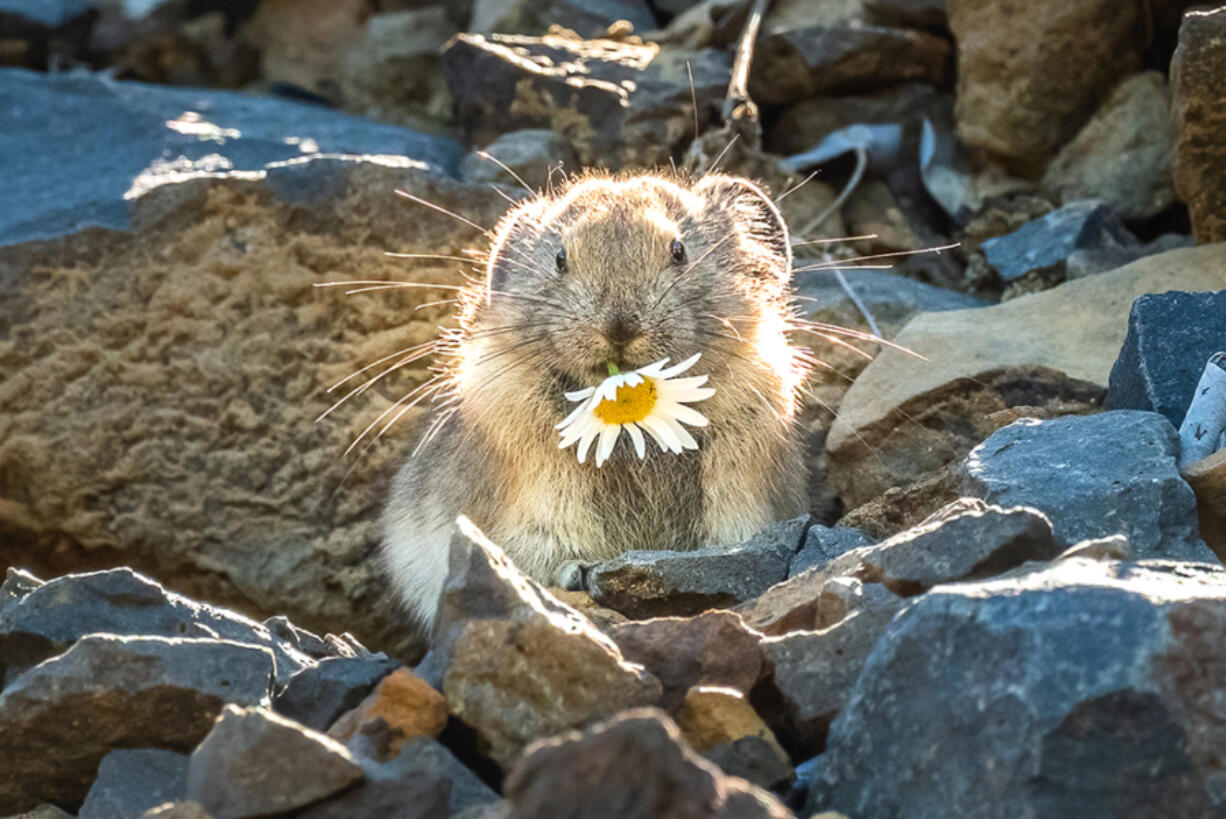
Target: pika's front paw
572,576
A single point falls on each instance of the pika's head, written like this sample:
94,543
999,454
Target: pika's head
635,269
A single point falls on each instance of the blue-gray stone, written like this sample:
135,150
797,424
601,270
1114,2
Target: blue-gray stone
1094,476
424,757
131,782
1170,337
316,696
825,543
1045,244
76,149
21,16
888,296
1082,689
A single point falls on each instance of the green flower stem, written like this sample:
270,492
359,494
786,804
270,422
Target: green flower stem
613,368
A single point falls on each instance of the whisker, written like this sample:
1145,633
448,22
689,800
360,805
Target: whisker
490,157
863,236
391,409
405,351
360,282
720,156
426,304
796,187
440,209
370,382
803,325
439,256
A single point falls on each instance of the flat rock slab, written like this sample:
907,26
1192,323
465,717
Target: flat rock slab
114,140
1094,476
1170,337
131,782
1080,689
669,583
60,718
1042,247
256,763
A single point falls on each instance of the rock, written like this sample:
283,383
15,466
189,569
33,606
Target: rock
669,583
1041,248
513,662
255,762
177,810
803,123
635,766
1083,690
807,49
1170,337
1028,79
61,717
1115,547
892,299
39,33
1124,155
301,43
719,724
43,812
618,104
1081,263
52,617
582,602
1207,477
813,600
415,797
393,74
198,349
1074,332
316,696
712,649
909,13
132,781
588,18
401,707
423,757
531,155
1197,106
825,543
1094,476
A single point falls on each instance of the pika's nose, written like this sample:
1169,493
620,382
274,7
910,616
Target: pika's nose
622,328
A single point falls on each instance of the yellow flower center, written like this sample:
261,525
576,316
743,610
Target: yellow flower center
631,404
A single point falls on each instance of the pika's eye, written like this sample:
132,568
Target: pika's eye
561,260
677,251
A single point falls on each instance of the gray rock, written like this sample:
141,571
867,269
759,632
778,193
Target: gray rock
635,766
1042,247
414,797
588,18
1080,689
800,125
514,663
1081,263
825,543
1094,476
753,759
909,13
177,810
316,696
1170,337
889,297
669,583
116,140
531,155
51,617
1198,117
131,782
61,717
618,103
43,812
425,757
1124,155
255,763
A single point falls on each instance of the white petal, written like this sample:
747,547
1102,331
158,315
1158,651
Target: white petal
574,416
653,370
586,443
579,395
607,439
686,415
636,435
680,368
663,434
681,432
632,379
691,394
687,383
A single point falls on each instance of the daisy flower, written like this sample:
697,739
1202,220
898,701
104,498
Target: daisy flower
648,399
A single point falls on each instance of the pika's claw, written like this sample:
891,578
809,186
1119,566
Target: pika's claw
572,575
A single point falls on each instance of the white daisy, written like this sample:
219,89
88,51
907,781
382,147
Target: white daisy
647,399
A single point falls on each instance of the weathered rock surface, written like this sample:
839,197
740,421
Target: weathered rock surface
177,810
825,543
1124,155
60,718
711,649
884,435
316,696
256,763
132,781
530,155
1094,476
1028,78
670,583
514,663
401,707
618,104
1084,688
587,18
422,757
1170,337
415,797
722,726
1207,477
892,299
635,766
1198,117
1041,248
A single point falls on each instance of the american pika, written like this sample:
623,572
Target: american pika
628,269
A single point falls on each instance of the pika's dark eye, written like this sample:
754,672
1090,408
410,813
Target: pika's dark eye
561,260
677,251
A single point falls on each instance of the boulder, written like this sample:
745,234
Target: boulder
530,158
422,757
1170,337
722,726
316,696
1198,116
1083,688
1094,476
414,797
132,781
1040,249
61,718
664,583
401,707
256,763
514,663
825,543
587,18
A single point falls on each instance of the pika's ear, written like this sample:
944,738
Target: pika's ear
747,204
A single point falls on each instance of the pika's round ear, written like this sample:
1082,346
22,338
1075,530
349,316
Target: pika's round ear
746,204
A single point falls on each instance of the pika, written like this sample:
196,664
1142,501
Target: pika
624,269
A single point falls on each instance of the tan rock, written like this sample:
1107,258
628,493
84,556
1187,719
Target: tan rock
1207,477
401,707
1072,332
1198,119
712,716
